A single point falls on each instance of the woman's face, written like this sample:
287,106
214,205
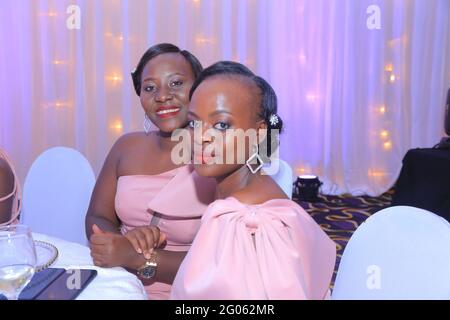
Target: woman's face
220,106
166,81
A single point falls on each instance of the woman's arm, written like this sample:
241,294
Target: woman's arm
147,239
6,187
168,264
111,250
101,209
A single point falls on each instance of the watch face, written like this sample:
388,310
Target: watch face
147,272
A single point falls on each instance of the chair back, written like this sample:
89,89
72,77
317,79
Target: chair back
56,194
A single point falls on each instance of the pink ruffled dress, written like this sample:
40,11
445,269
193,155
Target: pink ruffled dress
174,201
15,194
273,250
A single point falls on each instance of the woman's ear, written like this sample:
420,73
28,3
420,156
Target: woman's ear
262,130
262,124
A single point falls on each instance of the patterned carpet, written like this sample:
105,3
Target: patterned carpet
339,216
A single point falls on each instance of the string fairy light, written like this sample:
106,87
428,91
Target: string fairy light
57,62
387,145
56,104
203,40
389,67
384,134
114,78
305,169
117,125
311,96
300,170
402,40
374,173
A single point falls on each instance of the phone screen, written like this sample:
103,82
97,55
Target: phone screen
57,284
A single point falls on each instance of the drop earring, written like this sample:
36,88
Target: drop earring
147,124
258,159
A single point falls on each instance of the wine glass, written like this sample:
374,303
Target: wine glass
17,259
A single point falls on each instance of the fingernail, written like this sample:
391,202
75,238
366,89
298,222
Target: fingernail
139,250
147,255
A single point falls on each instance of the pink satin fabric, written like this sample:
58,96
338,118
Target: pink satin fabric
174,200
290,257
15,194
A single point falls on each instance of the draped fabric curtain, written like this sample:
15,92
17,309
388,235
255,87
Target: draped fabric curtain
359,82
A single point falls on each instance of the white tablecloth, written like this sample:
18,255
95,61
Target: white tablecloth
109,284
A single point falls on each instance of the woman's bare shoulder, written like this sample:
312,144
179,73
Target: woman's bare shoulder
6,174
133,140
259,191
5,167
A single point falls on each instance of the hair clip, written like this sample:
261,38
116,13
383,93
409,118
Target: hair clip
273,119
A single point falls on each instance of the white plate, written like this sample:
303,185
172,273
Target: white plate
46,254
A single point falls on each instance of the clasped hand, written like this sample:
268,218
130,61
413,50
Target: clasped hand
112,250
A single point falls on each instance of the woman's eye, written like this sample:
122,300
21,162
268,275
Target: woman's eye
176,83
149,88
221,126
194,124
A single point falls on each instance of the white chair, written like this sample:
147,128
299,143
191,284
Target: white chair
398,253
280,171
56,194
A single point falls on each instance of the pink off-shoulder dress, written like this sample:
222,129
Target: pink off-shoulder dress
174,201
273,250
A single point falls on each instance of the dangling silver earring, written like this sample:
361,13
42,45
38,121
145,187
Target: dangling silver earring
147,124
258,159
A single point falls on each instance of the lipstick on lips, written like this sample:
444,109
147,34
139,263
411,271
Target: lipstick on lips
202,158
167,111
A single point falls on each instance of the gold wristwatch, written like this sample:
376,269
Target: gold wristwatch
148,270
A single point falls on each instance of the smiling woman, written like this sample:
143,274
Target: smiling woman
162,80
145,209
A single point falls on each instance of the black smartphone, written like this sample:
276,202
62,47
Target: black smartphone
57,284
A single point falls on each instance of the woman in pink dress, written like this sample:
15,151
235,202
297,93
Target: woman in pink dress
141,192
9,191
253,242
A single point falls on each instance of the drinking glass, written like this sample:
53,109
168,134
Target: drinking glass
17,259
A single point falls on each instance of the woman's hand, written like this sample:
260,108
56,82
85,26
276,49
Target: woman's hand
146,238
110,249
